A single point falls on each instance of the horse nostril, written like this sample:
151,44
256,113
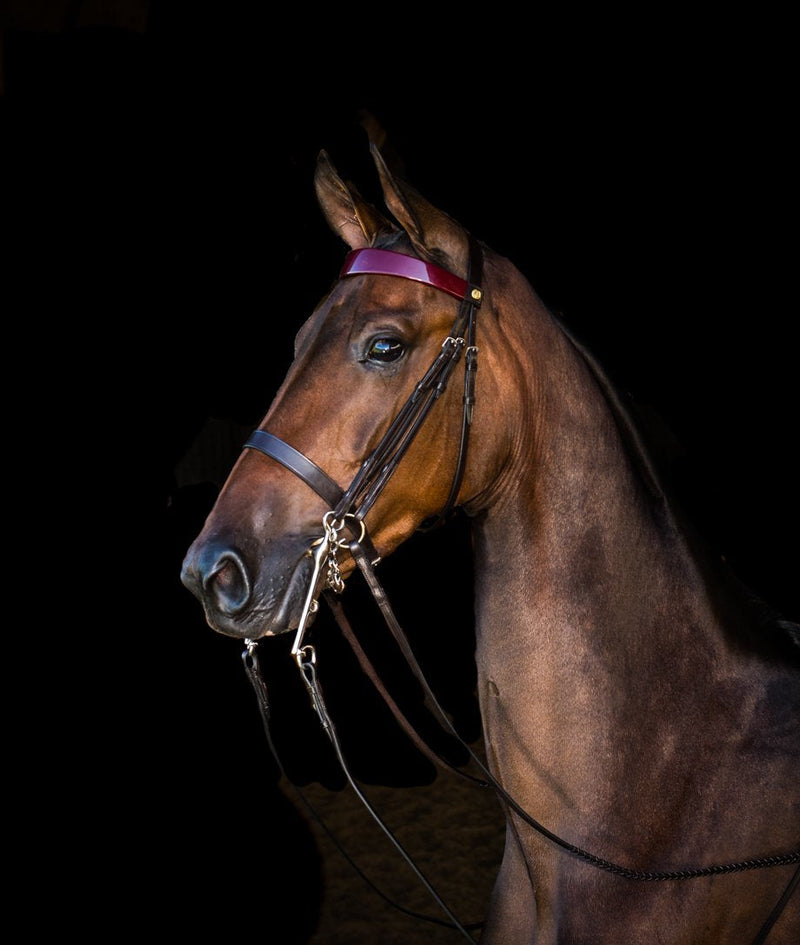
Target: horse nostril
227,584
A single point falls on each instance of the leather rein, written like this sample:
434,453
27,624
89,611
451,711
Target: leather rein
348,509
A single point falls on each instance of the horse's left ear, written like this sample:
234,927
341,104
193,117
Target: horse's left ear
436,236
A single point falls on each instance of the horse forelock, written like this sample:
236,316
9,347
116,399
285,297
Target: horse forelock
399,241
396,241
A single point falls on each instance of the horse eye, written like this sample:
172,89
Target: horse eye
385,350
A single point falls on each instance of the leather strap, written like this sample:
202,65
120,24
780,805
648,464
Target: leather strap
475,273
300,465
780,905
310,473
385,262
370,672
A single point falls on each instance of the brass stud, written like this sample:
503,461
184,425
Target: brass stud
476,294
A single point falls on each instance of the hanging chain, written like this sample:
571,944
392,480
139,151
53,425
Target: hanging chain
332,528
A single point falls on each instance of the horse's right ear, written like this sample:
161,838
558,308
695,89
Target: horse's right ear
351,217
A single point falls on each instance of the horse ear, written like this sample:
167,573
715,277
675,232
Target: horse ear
351,217
433,234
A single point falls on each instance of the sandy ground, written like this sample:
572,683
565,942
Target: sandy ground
452,829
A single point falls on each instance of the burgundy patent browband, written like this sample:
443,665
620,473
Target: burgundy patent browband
385,262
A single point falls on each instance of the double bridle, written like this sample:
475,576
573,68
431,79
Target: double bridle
354,503
348,509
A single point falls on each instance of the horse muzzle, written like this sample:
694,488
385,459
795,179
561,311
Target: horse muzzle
248,600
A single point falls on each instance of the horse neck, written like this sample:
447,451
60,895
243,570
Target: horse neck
579,549
611,662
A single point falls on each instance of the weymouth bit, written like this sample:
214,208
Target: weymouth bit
323,552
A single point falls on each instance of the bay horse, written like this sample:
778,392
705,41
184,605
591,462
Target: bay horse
640,709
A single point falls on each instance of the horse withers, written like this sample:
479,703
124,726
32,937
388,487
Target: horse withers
641,712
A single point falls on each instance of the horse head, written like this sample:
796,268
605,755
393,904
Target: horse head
358,362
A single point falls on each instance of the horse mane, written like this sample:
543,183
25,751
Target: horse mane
629,429
768,631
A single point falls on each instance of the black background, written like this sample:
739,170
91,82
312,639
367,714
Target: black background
163,226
